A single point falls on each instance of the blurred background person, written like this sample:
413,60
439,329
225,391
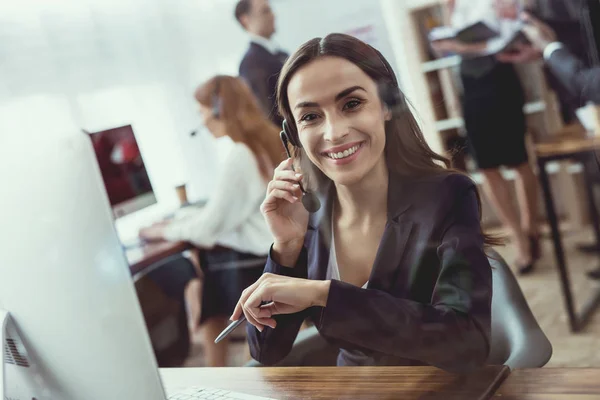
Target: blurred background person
229,229
576,24
581,80
493,101
264,59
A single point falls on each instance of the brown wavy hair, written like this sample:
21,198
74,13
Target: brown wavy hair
244,120
406,151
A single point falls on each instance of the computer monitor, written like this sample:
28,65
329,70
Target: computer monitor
123,171
76,329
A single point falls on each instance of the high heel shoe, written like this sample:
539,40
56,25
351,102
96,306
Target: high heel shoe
526,269
534,248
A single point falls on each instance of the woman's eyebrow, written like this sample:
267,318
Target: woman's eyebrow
340,95
348,91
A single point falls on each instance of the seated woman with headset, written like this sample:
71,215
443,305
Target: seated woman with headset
391,268
232,217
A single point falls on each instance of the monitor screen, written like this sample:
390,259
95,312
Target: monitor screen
123,170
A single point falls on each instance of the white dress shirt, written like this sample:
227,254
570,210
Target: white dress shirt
232,216
333,270
551,48
268,44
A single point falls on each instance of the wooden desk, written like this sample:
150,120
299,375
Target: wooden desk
356,383
152,254
571,143
551,384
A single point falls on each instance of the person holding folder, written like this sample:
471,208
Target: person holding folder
581,80
493,100
391,268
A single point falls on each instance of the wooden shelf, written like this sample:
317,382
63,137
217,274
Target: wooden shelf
442,63
414,5
447,124
534,107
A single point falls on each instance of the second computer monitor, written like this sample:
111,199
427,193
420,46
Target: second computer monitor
123,170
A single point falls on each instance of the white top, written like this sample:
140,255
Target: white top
232,216
268,44
468,12
333,270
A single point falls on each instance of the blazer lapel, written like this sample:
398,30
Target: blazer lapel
396,235
393,244
389,256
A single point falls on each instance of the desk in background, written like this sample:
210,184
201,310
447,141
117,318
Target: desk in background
152,255
328,383
570,144
144,259
551,384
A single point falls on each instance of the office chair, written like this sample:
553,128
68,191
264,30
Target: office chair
517,339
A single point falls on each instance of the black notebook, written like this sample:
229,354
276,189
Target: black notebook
477,32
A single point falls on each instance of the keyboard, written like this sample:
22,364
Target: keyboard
196,393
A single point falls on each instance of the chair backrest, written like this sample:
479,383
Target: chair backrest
517,339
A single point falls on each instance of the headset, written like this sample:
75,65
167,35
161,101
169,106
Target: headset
216,99
390,95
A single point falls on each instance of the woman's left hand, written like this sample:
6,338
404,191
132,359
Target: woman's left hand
275,294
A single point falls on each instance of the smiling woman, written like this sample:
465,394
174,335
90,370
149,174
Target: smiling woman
392,269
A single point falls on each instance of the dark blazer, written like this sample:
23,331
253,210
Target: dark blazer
260,68
580,80
428,300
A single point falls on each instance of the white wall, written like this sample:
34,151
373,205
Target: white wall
299,21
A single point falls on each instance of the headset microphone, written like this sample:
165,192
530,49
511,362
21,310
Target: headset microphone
309,200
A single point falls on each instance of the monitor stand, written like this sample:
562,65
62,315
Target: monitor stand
3,323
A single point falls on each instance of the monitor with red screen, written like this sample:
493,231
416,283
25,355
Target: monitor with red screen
123,171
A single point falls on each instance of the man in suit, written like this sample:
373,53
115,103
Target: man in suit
581,79
263,60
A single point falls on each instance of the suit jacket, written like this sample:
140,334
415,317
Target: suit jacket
577,25
428,300
260,68
582,81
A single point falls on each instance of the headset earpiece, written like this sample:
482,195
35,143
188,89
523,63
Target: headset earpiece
292,135
392,97
389,92
216,100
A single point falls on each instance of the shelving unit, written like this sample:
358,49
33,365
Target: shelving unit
434,87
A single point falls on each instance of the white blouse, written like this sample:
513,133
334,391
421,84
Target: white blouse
333,270
232,216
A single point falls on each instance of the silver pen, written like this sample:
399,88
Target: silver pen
230,328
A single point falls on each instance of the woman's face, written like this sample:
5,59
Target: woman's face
214,125
340,118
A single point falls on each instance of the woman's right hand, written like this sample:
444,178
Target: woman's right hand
283,210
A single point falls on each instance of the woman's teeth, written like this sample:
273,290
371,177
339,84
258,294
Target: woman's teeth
343,154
